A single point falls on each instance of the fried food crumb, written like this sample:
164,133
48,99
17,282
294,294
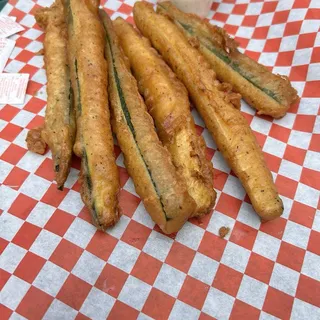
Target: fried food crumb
40,52
223,231
34,141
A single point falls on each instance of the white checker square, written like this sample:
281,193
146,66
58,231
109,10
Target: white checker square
197,118
313,72
316,221
25,5
203,268
261,125
307,195
290,170
23,118
316,128
14,66
208,139
286,121
268,58
292,230
13,292
5,169
287,204
9,225
314,4
309,26
297,14
219,162
299,86
97,305
118,229
312,160
51,278
284,5
37,61
28,20
284,279
39,76
225,8
92,273
34,46
267,246
302,56
288,43
143,316
311,265
303,310
235,19
72,203
276,31
183,235
142,216
11,257
80,232
45,244
245,32
182,310
17,316
113,5
217,220
32,34
309,106
124,256
35,186
134,293
20,139
129,186
265,20
40,214
248,216
254,9
218,304
169,280
252,292
267,316
256,45
284,71
59,310
234,188
120,161
235,257
4,144
72,178
274,147
158,245
7,196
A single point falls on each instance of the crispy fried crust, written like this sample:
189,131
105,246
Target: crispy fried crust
99,173
149,164
270,94
168,103
228,127
35,143
59,130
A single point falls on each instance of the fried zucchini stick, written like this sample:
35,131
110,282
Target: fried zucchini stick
270,94
163,193
59,129
99,173
168,103
229,128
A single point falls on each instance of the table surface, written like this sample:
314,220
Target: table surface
56,265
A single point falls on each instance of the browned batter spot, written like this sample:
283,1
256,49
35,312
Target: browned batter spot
34,141
39,53
223,231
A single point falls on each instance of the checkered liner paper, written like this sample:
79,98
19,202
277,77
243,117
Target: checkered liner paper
56,265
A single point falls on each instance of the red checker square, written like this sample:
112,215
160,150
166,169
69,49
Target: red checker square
122,311
294,154
199,130
193,292
280,133
124,8
204,316
146,268
253,55
10,132
85,214
209,153
314,241
259,268
29,267
22,42
261,138
203,221
31,70
299,73
128,202
59,222
242,310
53,196
8,112
284,58
45,170
5,312
33,88
243,235
180,257
111,280
227,280
302,214
309,290
286,186
37,121
117,151
34,9
231,29
76,162
81,316
311,178
214,6
102,245
291,256
260,33
301,4
4,277
219,179
228,205
249,21
315,142
124,176
34,304
76,186
248,117
26,235
158,305
275,227
22,206
13,153
306,40
220,16
280,17
74,291
315,57
16,178
243,42
136,234
304,123
130,20
3,244
24,56
240,8
272,45
292,28
35,105
273,162
269,7
212,246
311,89
66,255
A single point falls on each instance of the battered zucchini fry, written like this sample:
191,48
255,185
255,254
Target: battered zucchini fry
164,194
225,122
168,103
270,94
59,130
99,173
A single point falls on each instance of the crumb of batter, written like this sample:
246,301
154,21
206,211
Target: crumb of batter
40,52
223,231
34,141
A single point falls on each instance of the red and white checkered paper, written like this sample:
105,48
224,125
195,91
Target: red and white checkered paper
56,265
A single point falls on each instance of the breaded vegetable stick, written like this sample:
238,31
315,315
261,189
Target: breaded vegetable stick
149,164
229,128
100,177
270,94
168,103
59,129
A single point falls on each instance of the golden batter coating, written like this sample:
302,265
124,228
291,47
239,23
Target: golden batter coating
162,191
59,130
270,94
168,103
35,143
99,173
229,128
